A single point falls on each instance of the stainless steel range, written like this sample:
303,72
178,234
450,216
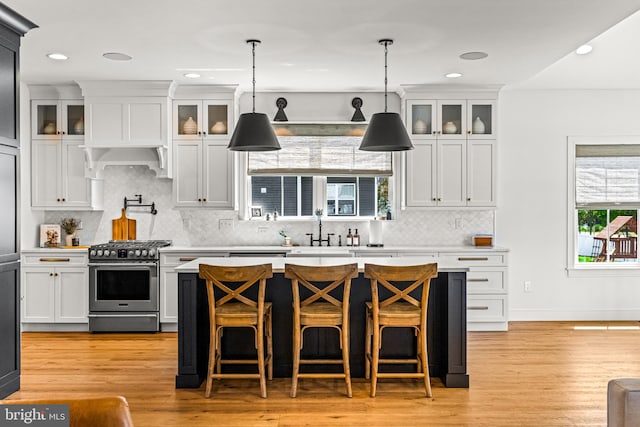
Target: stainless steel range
123,286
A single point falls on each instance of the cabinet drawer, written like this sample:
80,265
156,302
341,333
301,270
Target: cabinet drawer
174,260
55,259
470,260
486,308
480,281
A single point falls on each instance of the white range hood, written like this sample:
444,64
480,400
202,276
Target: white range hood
127,123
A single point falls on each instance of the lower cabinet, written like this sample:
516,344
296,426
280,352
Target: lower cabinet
55,288
10,328
169,282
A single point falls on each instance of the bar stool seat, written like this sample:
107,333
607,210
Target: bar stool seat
236,306
318,303
393,305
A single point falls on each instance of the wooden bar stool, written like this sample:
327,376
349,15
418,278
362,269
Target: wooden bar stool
321,307
236,310
392,306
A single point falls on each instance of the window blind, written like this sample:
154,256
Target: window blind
312,155
608,175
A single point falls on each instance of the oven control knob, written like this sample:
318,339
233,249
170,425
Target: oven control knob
152,252
99,252
130,253
137,252
144,252
106,252
109,253
93,252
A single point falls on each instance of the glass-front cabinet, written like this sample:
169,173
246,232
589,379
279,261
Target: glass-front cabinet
196,119
481,119
443,119
56,119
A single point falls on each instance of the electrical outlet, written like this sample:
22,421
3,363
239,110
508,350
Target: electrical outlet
528,287
262,230
80,225
225,224
458,222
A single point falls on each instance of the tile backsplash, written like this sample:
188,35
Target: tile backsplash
202,227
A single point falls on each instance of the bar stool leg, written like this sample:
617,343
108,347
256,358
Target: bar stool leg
424,360
269,327
345,357
296,357
376,358
367,345
212,363
261,369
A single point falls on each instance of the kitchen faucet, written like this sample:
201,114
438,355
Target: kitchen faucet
320,239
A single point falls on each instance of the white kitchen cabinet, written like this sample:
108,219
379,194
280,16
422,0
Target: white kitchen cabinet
57,176
55,287
453,162
487,287
169,281
202,119
55,119
436,173
127,121
203,174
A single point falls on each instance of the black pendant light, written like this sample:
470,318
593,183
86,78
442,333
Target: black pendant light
253,131
386,132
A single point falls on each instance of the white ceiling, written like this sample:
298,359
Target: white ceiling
332,45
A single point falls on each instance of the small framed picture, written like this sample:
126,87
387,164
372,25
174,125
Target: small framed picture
256,211
49,235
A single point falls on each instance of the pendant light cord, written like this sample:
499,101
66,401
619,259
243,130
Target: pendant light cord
386,43
253,81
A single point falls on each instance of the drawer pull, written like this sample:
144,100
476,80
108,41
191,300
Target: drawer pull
187,258
55,259
478,307
477,280
473,259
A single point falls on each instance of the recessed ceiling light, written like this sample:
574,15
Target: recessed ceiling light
584,49
117,56
453,75
192,75
472,56
57,56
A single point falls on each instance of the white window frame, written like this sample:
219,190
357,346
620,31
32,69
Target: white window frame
574,268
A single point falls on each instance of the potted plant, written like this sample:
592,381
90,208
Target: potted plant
287,239
69,225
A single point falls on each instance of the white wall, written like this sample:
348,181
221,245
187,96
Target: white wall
532,190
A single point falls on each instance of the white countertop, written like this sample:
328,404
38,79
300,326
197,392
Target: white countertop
278,263
55,250
331,249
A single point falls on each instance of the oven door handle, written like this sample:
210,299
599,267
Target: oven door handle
116,265
124,314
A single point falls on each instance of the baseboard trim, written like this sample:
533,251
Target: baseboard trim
575,315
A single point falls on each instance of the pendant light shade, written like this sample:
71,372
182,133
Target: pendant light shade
386,132
253,131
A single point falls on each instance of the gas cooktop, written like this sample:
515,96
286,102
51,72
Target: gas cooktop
127,250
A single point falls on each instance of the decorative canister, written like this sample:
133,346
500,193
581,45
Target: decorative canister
49,129
189,127
219,128
478,126
78,127
419,127
449,128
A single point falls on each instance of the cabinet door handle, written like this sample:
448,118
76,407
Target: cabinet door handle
204,133
468,199
50,274
64,133
473,259
55,259
55,274
439,199
477,307
477,280
434,199
64,200
58,199
199,200
469,132
204,200
187,259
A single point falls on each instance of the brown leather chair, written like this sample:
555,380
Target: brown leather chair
393,306
318,303
112,411
233,309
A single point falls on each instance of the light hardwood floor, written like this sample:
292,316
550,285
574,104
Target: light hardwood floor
537,374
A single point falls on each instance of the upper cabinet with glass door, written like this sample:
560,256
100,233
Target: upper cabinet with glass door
442,119
197,119
481,119
57,119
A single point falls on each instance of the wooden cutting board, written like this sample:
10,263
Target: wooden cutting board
123,228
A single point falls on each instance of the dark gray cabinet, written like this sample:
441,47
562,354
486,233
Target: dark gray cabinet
12,27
